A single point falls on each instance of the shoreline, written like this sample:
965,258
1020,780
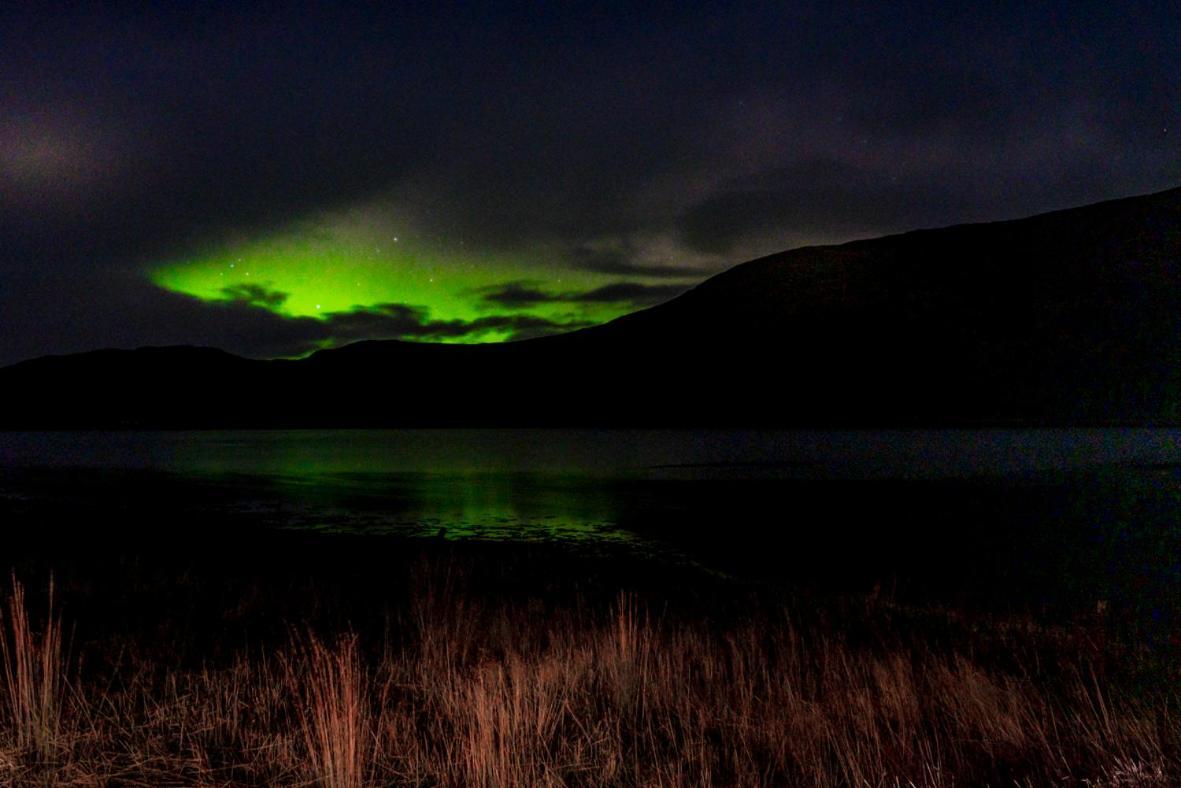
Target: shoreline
453,663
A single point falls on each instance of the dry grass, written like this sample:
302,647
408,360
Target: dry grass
33,675
465,692
332,688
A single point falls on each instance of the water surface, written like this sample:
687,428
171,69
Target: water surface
1094,510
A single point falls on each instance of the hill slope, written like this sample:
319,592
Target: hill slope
1072,317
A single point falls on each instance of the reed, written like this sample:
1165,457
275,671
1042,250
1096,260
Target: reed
466,691
32,668
331,688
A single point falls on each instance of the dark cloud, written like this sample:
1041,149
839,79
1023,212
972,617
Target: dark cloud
826,200
255,295
622,262
134,134
525,294
516,294
139,314
400,321
819,198
630,293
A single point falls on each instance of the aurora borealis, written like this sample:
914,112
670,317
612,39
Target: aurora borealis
340,269
272,178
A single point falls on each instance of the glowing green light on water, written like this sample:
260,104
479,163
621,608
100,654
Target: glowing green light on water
315,273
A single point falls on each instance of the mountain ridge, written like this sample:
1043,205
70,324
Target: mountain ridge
1067,317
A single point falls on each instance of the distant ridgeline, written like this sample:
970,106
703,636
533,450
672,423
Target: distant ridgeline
1072,317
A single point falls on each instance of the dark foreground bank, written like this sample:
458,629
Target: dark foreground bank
305,658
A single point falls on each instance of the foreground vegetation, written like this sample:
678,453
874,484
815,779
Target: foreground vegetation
459,686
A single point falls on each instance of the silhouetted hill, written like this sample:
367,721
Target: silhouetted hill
1072,317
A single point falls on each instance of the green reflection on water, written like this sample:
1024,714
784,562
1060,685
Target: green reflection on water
452,505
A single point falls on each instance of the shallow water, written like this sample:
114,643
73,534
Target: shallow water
1030,514
544,484
598,453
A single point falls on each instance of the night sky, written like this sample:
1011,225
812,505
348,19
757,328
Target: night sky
274,178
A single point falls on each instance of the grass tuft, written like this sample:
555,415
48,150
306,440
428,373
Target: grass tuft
468,689
32,669
332,709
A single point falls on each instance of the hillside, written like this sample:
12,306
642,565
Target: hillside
1071,317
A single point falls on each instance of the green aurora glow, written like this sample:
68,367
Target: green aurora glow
319,271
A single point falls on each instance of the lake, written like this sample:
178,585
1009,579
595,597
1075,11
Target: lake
1094,512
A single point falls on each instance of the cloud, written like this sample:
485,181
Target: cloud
621,262
255,295
298,335
810,198
526,293
401,321
822,200
136,136
629,292
138,314
517,294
